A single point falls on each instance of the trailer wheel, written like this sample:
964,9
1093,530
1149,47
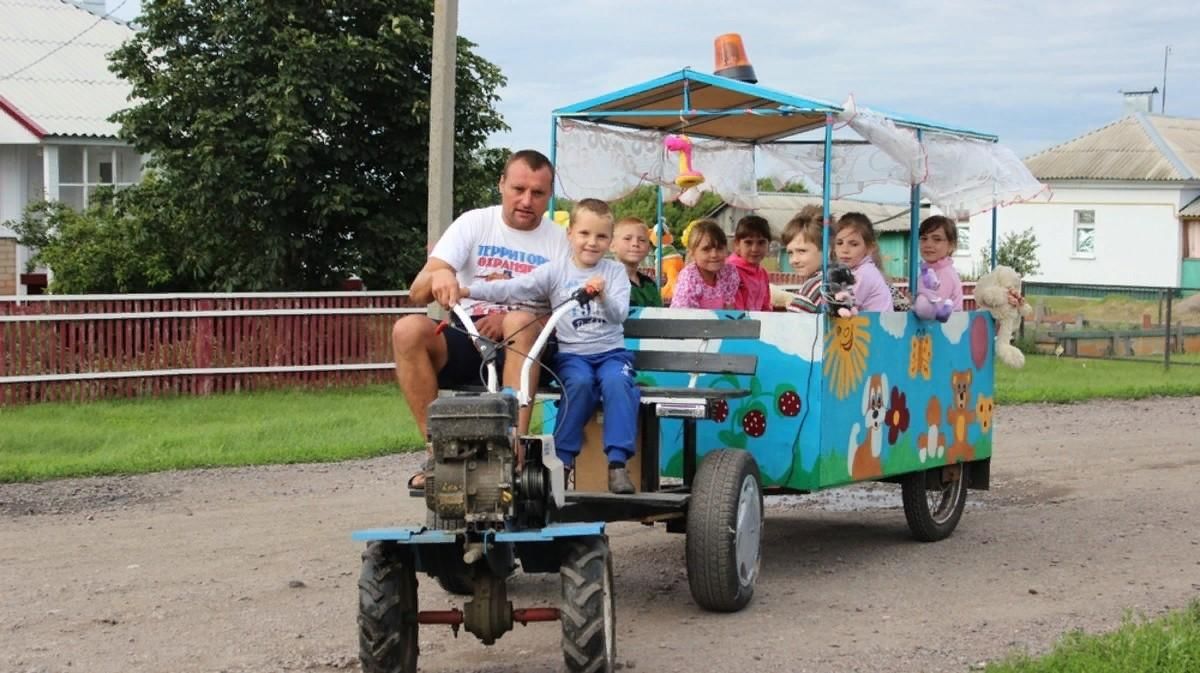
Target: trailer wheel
724,531
934,501
387,610
451,574
588,610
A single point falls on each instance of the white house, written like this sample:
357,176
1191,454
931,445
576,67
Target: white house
56,95
1125,208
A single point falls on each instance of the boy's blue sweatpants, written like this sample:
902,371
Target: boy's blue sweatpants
588,380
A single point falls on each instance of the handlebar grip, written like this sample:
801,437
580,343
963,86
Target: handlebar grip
585,294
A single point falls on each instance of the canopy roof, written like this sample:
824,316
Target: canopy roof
712,106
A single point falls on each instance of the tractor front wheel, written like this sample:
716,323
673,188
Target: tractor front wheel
588,610
387,610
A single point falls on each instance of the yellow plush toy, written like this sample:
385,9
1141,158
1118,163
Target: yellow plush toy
672,262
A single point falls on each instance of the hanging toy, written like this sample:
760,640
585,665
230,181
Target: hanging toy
688,177
672,262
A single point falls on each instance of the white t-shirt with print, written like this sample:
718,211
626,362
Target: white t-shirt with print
479,244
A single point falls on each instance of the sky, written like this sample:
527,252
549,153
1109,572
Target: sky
1034,73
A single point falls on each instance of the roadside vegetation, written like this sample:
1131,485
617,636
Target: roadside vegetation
53,440
1169,644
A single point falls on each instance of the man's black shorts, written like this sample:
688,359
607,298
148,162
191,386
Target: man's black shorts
463,365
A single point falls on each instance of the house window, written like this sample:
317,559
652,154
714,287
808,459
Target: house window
1191,239
106,172
964,241
1084,236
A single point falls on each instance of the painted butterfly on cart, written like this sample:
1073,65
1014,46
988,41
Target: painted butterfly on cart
921,355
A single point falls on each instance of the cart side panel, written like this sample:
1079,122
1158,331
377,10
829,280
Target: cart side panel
902,394
779,421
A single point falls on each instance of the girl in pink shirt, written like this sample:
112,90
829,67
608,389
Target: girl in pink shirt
854,245
707,281
751,240
939,289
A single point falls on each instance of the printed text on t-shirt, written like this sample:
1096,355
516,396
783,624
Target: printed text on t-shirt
492,257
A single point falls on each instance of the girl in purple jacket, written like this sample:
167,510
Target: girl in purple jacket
854,245
939,292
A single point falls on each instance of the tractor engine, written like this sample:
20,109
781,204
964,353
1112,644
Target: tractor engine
473,475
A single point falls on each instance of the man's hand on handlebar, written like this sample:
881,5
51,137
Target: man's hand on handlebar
491,326
445,288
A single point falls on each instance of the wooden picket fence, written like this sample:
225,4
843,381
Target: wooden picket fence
88,347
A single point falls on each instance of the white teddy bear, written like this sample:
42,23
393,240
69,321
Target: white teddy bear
992,292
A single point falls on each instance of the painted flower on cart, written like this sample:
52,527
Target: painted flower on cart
847,343
983,409
897,415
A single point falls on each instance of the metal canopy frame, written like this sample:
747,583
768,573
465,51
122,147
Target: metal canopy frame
720,108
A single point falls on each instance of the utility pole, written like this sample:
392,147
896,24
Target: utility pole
1163,107
441,119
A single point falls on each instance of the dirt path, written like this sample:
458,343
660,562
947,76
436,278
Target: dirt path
1093,511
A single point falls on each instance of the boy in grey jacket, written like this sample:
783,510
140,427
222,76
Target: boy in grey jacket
592,360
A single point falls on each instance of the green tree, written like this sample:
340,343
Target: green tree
290,138
768,185
105,248
644,200
1016,250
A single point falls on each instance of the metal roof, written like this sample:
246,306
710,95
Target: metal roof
719,107
1139,147
54,76
1191,210
707,106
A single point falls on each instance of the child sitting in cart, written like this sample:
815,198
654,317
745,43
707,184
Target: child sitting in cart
592,361
631,244
707,281
751,239
802,238
939,291
855,246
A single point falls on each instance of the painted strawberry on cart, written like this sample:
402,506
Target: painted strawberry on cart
752,416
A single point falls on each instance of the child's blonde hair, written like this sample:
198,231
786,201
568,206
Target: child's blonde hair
593,206
807,224
701,230
629,221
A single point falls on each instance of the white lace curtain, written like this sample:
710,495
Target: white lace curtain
959,175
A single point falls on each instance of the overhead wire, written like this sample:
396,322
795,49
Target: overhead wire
60,47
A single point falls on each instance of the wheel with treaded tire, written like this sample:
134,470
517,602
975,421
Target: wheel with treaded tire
933,513
588,611
387,610
451,574
724,531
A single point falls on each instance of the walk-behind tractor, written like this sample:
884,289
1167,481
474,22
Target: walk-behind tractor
485,515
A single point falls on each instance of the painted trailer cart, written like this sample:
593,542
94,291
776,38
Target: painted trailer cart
734,404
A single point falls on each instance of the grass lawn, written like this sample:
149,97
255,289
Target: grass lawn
1049,379
131,436
1167,645
126,437
1115,310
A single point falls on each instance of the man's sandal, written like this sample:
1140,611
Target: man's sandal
417,481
